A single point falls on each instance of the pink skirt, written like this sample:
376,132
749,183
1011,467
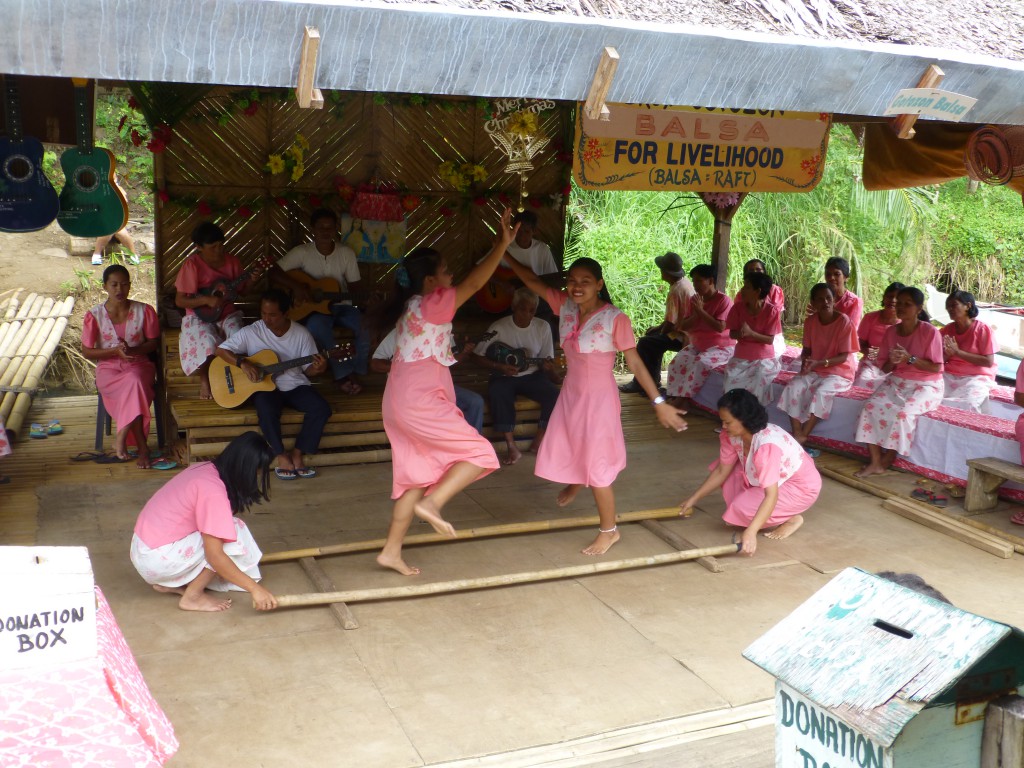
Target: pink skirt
811,395
427,431
796,496
127,390
5,443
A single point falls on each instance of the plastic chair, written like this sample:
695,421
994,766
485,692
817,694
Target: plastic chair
103,421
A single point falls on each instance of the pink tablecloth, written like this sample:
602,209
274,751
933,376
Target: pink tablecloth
97,712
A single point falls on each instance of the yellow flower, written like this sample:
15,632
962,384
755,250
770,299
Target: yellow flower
475,172
275,163
294,152
301,141
522,124
297,171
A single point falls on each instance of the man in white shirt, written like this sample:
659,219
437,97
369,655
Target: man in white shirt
325,257
289,341
530,336
537,256
663,338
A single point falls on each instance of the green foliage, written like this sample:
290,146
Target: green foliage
84,282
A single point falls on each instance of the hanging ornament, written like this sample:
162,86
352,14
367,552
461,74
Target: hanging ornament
515,130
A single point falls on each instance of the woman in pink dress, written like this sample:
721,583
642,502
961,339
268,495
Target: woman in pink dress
870,332
969,355
5,449
912,351
208,265
188,537
827,365
710,344
837,272
435,453
584,444
766,477
775,296
754,322
1018,398
119,335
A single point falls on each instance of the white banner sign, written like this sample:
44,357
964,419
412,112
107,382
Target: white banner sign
929,102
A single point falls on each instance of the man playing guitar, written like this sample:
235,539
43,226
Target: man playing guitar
288,340
325,257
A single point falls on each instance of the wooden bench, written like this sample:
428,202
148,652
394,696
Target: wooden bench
984,476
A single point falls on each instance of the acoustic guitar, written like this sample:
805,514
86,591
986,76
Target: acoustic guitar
231,387
499,352
91,203
28,202
326,291
496,295
228,289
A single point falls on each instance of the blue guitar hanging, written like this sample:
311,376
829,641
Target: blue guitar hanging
28,202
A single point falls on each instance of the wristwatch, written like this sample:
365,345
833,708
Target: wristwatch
912,359
658,400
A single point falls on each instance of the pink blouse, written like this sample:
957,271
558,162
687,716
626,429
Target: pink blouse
196,273
925,342
142,325
193,500
774,457
606,330
872,329
852,306
831,340
425,328
767,322
977,340
702,336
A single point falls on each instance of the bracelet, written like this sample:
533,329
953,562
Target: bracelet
658,400
912,359
613,529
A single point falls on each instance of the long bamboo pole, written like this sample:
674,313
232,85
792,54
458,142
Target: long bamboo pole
21,328
27,341
502,580
486,531
39,364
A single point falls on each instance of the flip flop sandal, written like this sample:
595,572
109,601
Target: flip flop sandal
813,452
1018,518
306,472
286,474
111,459
956,492
88,456
37,431
54,427
163,464
922,494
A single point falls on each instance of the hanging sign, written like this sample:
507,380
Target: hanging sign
695,149
931,102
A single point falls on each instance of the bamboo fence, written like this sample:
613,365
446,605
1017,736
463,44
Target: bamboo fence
29,335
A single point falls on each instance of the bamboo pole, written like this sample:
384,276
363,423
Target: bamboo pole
20,328
39,364
501,580
674,539
535,526
25,340
14,376
324,583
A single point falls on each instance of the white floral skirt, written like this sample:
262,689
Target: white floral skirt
967,393
755,376
690,368
811,394
180,562
890,415
869,375
199,339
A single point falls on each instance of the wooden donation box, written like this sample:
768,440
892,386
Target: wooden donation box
870,674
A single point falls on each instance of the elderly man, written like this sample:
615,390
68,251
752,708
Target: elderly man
663,338
520,362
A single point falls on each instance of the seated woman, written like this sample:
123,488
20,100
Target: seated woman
969,355
754,322
775,296
912,355
188,539
870,332
767,479
1018,398
208,265
837,271
119,335
710,344
827,365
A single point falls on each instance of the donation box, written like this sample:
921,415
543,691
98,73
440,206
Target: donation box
870,674
47,607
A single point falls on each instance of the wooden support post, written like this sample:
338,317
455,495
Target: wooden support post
903,125
324,583
595,107
674,539
305,93
1002,741
720,240
501,580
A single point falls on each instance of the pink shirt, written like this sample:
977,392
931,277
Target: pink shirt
774,457
831,340
925,342
852,306
872,329
702,336
425,328
977,340
194,500
196,273
606,330
145,326
767,322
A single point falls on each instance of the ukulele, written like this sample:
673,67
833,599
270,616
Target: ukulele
28,202
499,352
231,387
91,203
326,291
228,289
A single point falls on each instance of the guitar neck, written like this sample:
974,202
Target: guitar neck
275,368
13,107
83,117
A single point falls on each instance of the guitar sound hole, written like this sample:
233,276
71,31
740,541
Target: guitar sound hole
86,179
18,168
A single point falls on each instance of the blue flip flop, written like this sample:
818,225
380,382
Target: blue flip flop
306,472
163,464
286,474
54,427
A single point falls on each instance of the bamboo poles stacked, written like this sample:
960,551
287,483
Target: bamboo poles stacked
28,340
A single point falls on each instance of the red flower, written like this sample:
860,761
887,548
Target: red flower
281,201
446,211
204,209
124,119
345,192
136,137
410,203
132,102
164,133
535,202
162,194
504,199
245,211
156,146
566,190
252,109
480,201
315,201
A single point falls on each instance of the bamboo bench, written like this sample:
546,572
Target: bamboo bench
984,476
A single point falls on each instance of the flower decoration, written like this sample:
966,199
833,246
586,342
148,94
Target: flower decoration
245,211
721,200
163,196
410,203
593,151
162,136
461,176
445,211
280,202
291,160
810,165
343,189
515,129
203,208
523,124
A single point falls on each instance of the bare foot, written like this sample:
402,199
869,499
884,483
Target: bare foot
425,509
204,390
144,461
169,590
514,455
397,564
602,543
203,602
870,469
787,529
567,494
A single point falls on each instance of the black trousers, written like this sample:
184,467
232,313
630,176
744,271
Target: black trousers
652,349
502,392
306,400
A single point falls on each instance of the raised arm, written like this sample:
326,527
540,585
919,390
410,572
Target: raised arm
527,275
482,272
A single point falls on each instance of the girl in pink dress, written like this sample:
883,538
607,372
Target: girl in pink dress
869,333
775,296
710,344
584,444
968,353
767,479
912,351
119,335
435,453
827,365
754,322
837,272
208,265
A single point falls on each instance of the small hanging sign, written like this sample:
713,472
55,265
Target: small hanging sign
931,102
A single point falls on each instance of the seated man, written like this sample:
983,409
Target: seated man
470,403
288,340
323,258
666,337
528,334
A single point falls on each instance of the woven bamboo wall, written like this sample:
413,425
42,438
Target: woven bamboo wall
222,162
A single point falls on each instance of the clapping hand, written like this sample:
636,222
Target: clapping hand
949,346
898,355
